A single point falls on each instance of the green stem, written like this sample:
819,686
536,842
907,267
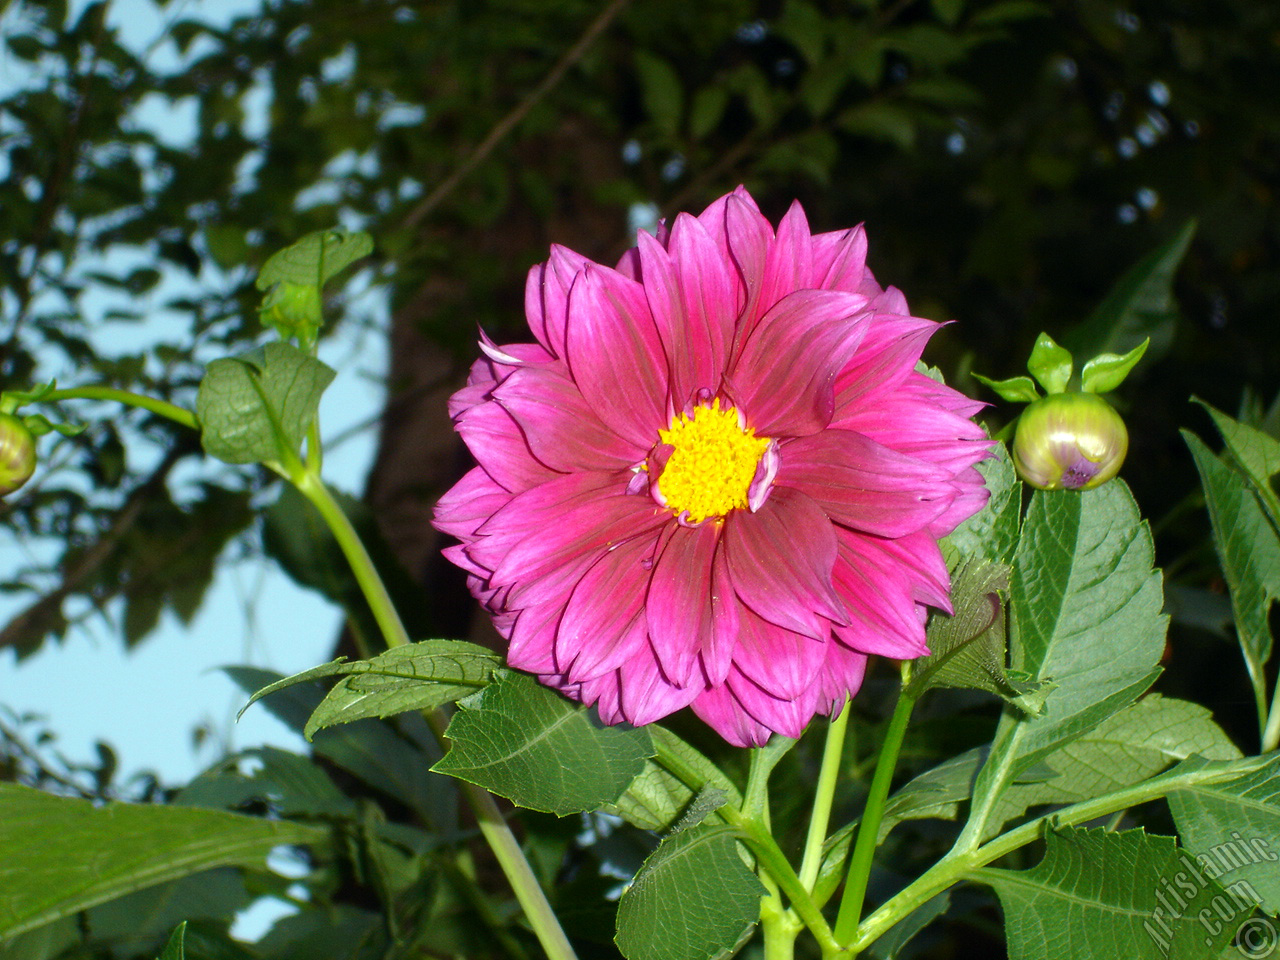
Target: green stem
174,413
492,825
1271,732
959,865
824,796
864,847
375,592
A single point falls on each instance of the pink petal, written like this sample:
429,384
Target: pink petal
885,358
637,692
603,623
616,355
546,296
719,709
841,677
863,484
749,236
469,503
560,426
884,618
840,260
780,561
971,496
777,660
679,606
497,443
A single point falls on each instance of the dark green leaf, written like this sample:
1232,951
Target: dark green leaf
1248,548
1138,307
62,856
527,743
1257,454
315,258
992,532
173,950
1233,829
258,407
1098,893
661,91
693,899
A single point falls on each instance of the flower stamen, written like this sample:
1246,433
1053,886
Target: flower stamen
713,461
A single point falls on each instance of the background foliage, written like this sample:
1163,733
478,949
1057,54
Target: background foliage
1010,159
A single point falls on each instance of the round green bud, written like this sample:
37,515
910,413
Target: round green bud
17,453
1072,441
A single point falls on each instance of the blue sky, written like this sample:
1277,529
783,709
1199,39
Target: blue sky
147,703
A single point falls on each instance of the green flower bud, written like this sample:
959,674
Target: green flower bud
1072,441
17,453
293,309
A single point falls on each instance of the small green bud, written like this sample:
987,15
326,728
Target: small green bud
293,309
17,453
1072,441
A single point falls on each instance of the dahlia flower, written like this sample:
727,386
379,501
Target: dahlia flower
717,479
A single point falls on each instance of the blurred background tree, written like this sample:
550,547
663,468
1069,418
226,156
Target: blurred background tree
1009,157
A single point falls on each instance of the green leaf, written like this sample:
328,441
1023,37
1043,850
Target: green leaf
707,110
173,950
422,676
62,856
654,800
661,91
1015,389
1256,453
895,939
1085,611
1248,549
1140,306
294,786
315,258
693,899
992,532
527,743
425,675
257,407
1233,829
1107,371
968,648
1103,894
880,121
1050,364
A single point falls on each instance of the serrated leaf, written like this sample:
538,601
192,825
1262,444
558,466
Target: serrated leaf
1103,894
315,258
1233,829
527,743
257,407
1248,549
1257,453
1139,306
1015,389
1107,371
992,532
62,856
1050,364
422,676
661,91
968,648
693,899
654,800
1085,611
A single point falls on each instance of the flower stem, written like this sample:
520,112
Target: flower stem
957,865
489,818
184,417
1271,732
864,848
824,795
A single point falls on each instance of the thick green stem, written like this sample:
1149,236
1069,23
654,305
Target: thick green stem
176,414
1271,732
864,847
957,865
824,796
371,585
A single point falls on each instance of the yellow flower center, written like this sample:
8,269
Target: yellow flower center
712,463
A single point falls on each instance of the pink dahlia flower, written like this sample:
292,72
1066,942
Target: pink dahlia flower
717,479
